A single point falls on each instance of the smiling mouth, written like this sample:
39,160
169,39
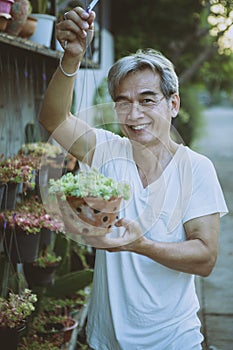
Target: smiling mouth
138,127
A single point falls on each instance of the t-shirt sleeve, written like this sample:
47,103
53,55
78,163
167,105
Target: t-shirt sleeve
207,196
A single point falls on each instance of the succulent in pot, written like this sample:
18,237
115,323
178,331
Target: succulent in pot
15,310
92,198
15,170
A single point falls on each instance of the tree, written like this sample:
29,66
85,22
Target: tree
193,34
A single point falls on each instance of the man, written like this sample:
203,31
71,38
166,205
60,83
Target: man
143,294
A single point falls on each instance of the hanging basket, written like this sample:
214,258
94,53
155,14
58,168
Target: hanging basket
46,238
37,276
89,216
10,196
10,337
19,246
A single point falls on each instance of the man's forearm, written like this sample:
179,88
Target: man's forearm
190,256
58,98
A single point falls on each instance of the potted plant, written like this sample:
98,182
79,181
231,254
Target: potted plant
45,22
14,171
93,201
21,230
14,312
19,13
41,271
48,159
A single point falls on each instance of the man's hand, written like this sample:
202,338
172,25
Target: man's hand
76,31
128,241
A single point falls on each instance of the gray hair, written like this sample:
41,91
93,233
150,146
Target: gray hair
143,59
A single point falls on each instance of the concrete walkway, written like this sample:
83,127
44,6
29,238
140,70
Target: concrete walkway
216,291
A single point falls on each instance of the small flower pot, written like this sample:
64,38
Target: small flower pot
19,246
10,196
53,332
19,12
70,325
4,19
29,27
10,337
39,276
89,216
5,6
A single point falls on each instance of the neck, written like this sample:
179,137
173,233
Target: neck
151,161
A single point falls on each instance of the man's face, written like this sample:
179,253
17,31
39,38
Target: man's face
143,111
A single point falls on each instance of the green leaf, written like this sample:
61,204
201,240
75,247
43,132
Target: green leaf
69,284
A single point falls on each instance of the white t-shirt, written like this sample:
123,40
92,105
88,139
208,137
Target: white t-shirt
136,303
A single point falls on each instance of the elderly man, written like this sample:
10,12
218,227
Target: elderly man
143,294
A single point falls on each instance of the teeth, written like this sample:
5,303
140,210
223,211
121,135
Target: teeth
138,127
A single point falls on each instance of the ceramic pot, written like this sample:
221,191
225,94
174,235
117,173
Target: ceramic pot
5,6
44,29
95,211
89,216
29,27
4,19
19,13
70,325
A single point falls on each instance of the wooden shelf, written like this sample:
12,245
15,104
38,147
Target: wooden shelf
28,45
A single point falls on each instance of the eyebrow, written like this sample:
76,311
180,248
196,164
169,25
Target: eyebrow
143,93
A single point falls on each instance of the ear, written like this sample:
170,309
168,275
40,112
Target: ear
175,105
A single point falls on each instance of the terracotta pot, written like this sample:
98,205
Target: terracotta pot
70,324
5,6
89,216
19,13
4,18
29,27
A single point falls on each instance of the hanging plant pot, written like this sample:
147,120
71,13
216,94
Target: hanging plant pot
10,337
96,211
39,276
5,6
10,196
2,189
29,27
46,238
20,246
90,215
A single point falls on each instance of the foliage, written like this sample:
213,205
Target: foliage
39,6
39,149
88,183
67,285
35,343
16,170
31,217
15,309
192,34
47,258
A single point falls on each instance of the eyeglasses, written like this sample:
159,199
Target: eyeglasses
124,107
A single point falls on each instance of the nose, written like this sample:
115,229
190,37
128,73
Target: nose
135,111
